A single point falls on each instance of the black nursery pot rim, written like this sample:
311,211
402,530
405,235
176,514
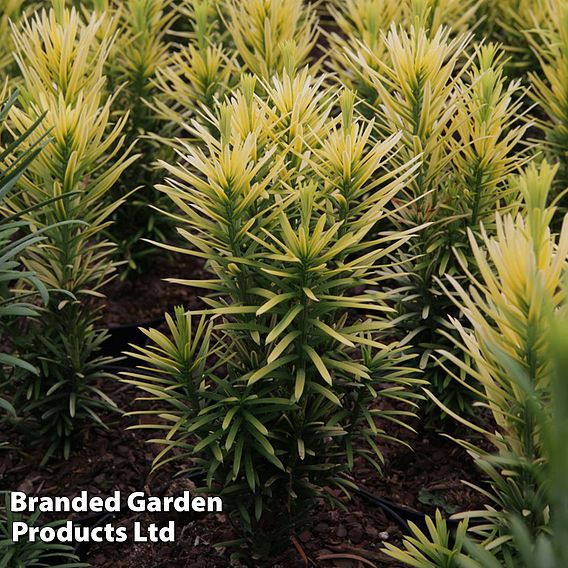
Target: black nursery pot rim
120,338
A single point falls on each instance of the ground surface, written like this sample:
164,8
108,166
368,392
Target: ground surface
428,476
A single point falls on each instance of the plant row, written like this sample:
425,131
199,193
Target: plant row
377,192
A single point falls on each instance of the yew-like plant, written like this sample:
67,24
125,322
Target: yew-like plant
361,27
200,70
262,29
225,40
461,117
511,347
9,10
549,41
274,391
61,60
508,22
18,287
508,352
141,49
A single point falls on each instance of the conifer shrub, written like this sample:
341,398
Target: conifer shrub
515,313
272,389
61,59
461,117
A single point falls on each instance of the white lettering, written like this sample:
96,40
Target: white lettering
214,504
138,533
96,505
198,504
136,502
112,504
17,502
47,534
154,533
121,534
18,529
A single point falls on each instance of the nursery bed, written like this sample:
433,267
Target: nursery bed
146,296
119,459
381,194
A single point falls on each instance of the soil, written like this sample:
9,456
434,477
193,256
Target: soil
120,459
145,297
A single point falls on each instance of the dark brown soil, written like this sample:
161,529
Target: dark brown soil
118,458
144,298
425,476
104,461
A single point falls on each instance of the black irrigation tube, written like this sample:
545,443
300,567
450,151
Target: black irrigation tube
403,515
119,340
399,514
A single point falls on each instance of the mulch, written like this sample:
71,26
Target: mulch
425,477
145,297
